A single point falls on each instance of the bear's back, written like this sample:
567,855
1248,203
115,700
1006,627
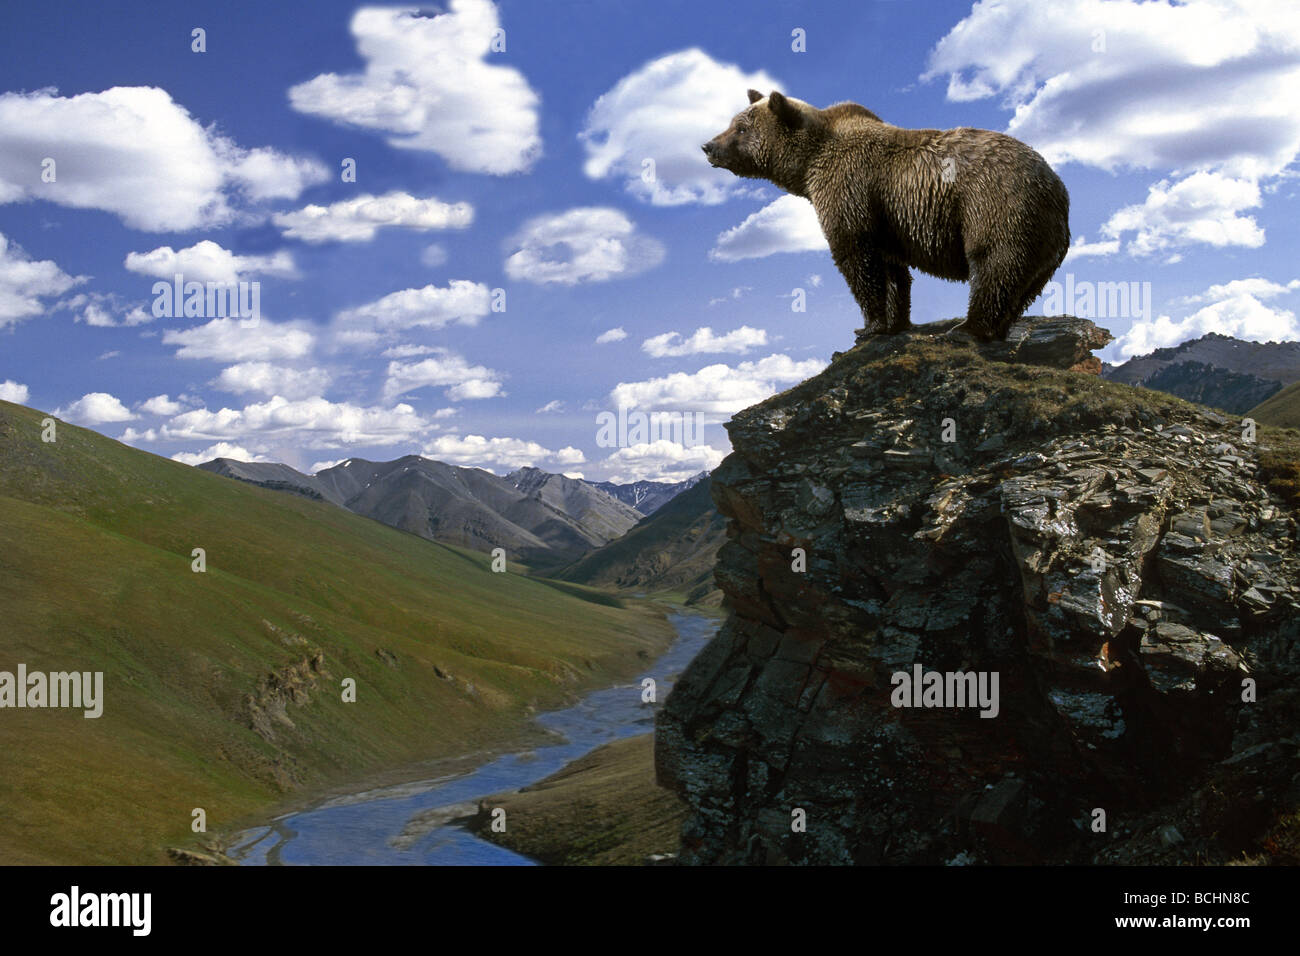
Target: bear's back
837,112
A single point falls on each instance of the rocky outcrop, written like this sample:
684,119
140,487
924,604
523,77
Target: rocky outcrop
181,856
267,706
1105,563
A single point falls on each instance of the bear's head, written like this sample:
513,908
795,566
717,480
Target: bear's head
773,139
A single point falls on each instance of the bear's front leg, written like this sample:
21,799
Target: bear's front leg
868,280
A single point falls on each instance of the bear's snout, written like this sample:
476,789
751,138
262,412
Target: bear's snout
718,153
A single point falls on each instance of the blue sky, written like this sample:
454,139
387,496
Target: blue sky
522,173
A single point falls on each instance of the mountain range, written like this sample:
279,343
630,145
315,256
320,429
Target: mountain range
648,497
539,518
674,550
644,536
1217,370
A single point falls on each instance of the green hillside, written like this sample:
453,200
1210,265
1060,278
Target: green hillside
222,689
1282,410
674,550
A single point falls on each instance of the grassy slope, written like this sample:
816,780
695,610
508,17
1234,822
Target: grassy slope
604,809
1282,410
95,542
1281,462
673,550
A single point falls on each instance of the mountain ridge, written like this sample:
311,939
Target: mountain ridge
673,550
537,517
648,497
1219,370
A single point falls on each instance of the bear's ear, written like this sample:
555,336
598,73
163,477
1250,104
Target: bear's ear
755,96
785,111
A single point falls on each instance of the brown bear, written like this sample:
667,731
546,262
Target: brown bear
958,204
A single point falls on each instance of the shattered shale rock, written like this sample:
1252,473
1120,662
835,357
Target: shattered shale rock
928,504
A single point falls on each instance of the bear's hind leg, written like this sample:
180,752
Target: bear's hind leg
1031,292
989,312
898,307
1033,287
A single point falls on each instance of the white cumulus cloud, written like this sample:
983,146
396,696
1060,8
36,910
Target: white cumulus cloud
207,261
430,84
447,369
359,218
1189,88
408,351
308,423
1202,208
320,466
95,408
704,341
161,405
11,391
1080,248
1236,308
230,340
267,378
135,152
661,460
586,244
222,449
505,454
104,310
647,131
788,224
24,282
716,389
460,302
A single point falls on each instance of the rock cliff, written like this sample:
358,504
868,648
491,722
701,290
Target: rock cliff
1109,561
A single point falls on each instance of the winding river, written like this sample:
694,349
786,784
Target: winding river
413,824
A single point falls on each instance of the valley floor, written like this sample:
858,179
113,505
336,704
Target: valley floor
498,738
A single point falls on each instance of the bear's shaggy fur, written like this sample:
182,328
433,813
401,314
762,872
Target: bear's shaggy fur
960,204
